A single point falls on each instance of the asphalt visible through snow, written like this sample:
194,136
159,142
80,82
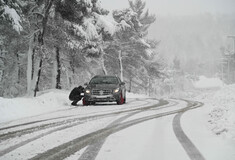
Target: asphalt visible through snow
187,144
94,140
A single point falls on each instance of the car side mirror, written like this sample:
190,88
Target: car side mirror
122,83
86,84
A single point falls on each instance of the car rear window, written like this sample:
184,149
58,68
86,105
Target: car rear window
104,80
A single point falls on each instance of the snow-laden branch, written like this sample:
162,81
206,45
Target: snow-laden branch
107,23
36,13
32,34
78,30
124,25
14,17
90,29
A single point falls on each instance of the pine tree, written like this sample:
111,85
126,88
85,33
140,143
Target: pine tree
134,51
10,11
91,27
12,48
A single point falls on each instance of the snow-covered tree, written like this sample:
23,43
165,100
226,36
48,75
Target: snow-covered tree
38,15
60,40
12,48
131,47
10,10
128,38
91,25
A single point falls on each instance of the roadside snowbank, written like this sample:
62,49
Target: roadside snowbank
222,115
220,99
210,145
15,108
47,101
212,127
219,104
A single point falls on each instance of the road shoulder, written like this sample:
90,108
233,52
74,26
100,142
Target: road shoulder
211,146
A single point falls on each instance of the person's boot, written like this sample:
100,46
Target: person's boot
73,103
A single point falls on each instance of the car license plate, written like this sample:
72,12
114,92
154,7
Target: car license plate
101,96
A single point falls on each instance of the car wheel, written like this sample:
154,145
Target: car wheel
92,103
121,100
84,102
125,97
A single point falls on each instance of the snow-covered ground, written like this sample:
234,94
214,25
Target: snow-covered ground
47,101
219,100
220,104
211,127
16,108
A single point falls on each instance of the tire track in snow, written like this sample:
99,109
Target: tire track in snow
81,121
69,148
93,149
49,119
189,147
21,132
65,150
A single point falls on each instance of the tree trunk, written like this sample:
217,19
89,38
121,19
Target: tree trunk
68,78
120,64
48,6
2,70
38,78
29,65
149,86
33,88
35,63
130,84
54,69
58,82
40,37
102,65
18,67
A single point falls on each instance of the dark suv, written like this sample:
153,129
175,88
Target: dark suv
105,89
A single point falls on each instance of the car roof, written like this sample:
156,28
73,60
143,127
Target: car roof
104,76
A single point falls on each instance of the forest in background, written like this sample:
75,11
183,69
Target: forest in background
47,44
200,42
60,44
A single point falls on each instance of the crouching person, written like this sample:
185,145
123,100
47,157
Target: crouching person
75,95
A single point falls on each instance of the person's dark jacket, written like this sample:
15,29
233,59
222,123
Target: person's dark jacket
75,94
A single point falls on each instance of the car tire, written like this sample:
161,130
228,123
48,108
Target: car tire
92,103
84,102
124,97
121,100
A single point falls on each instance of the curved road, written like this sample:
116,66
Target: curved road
59,137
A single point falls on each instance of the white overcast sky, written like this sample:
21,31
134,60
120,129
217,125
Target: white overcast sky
178,7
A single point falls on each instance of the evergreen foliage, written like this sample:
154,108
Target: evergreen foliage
63,43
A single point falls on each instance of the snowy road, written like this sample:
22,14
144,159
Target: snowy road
103,131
